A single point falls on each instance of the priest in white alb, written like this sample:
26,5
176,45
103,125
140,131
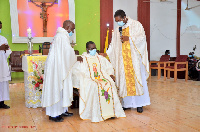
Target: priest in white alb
98,94
57,93
4,71
129,57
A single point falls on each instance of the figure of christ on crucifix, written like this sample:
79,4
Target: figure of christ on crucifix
44,14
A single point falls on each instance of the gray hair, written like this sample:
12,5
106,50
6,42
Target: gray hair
67,23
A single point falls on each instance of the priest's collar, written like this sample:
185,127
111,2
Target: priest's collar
128,23
88,55
62,30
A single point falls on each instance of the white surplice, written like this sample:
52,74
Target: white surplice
57,93
90,106
140,63
4,71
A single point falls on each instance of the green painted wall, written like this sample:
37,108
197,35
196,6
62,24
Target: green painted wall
87,25
6,30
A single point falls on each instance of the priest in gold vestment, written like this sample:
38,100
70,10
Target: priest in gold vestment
129,57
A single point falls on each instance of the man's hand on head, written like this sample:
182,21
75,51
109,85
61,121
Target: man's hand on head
80,59
4,47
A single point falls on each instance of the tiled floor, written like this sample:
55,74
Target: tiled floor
175,107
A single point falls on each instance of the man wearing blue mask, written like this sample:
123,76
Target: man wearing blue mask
98,94
129,57
57,93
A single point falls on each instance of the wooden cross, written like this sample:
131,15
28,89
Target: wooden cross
44,14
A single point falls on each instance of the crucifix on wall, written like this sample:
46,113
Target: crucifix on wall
44,14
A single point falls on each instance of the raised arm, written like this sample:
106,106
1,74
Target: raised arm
52,3
36,4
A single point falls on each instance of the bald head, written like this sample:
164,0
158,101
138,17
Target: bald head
69,26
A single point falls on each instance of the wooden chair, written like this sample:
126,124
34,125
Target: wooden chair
159,64
15,61
180,64
45,48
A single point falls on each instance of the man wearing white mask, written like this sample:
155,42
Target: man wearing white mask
57,93
98,94
129,57
4,71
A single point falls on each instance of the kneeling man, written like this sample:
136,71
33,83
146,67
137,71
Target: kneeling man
98,94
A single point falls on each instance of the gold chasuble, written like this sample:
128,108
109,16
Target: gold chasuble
105,92
128,65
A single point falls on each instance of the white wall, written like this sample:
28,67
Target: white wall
190,27
129,6
163,21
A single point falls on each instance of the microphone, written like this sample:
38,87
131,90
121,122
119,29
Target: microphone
120,31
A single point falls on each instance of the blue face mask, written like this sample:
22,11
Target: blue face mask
70,34
168,54
0,30
93,52
121,23
189,55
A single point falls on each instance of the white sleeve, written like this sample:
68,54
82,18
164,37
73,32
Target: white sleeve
107,66
109,50
75,75
8,52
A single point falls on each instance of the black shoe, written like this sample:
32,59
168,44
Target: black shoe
56,119
112,118
125,108
67,114
139,109
4,106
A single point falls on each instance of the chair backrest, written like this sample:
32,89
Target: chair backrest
16,58
45,48
181,58
45,51
46,45
164,58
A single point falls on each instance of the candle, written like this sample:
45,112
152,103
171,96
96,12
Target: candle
29,35
28,30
